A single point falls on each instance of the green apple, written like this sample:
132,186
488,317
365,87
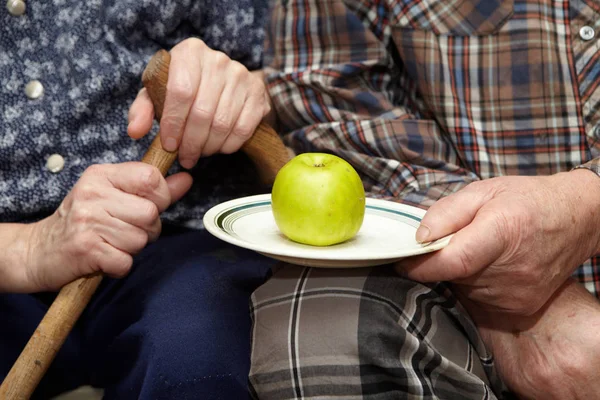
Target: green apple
318,199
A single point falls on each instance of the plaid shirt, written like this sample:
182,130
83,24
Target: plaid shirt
425,96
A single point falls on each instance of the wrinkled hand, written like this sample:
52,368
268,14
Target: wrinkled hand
212,105
517,239
109,215
553,354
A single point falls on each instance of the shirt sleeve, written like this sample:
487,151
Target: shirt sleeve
338,86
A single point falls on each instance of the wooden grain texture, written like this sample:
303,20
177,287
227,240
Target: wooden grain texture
48,338
265,149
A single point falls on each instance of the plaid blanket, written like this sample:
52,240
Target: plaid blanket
364,333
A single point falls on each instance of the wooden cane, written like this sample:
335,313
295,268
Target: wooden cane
265,149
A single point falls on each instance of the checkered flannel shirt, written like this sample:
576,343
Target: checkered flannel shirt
425,96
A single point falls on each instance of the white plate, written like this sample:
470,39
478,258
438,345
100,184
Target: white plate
386,235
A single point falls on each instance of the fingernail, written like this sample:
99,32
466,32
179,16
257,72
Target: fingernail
187,163
170,144
422,233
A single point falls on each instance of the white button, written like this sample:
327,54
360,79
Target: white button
55,163
586,33
16,7
34,89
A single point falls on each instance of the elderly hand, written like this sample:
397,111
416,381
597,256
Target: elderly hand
553,354
212,105
109,215
517,239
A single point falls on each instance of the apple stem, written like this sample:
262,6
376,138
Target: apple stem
319,165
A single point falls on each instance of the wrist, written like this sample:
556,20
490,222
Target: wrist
14,263
582,189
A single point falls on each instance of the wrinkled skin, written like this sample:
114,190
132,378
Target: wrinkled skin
213,104
110,215
517,239
553,354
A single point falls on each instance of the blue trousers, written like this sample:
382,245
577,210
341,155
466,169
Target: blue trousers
177,327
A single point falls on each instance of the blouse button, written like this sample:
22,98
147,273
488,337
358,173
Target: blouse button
34,90
55,163
16,7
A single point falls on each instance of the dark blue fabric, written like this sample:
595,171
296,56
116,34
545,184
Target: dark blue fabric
178,327
89,56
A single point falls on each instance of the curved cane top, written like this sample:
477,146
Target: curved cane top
264,148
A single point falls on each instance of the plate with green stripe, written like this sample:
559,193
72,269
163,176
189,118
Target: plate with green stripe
386,235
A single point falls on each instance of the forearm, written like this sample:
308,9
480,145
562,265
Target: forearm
583,185
553,354
14,240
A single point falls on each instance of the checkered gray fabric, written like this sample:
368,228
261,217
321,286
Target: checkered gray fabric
364,333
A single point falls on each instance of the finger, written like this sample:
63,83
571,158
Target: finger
244,126
112,261
201,115
141,115
139,179
453,212
179,184
135,212
470,250
123,236
154,231
130,209
185,70
228,110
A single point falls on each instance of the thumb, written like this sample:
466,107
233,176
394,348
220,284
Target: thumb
179,184
452,213
472,249
141,115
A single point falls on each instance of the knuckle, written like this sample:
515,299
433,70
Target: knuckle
192,149
201,112
181,92
120,265
221,59
192,43
221,125
150,180
238,70
82,215
172,123
85,192
94,170
258,89
244,130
